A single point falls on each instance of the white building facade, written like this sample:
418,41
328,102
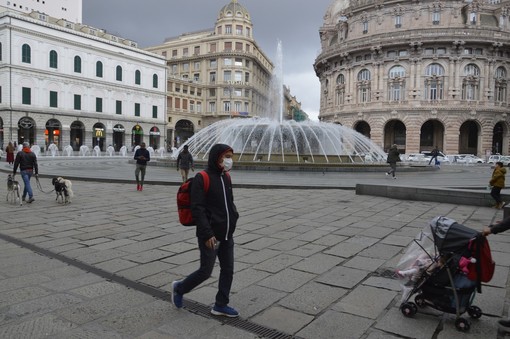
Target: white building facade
70,84
70,10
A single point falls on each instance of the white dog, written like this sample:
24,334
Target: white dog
63,189
13,190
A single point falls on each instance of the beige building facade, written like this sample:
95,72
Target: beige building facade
214,74
418,74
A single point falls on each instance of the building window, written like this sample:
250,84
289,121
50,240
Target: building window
212,106
500,85
398,21
53,59
118,107
155,81
26,54
239,46
212,47
154,112
26,96
53,99
364,86
196,65
213,63
212,77
174,69
396,83
228,45
185,67
364,26
118,73
99,105
228,29
239,30
99,69
434,81
436,17
246,77
138,77
238,76
77,102
363,75
471,82
226,106
472,18
227,75
196,50
77,64
137,109
340,79
227,62
248,31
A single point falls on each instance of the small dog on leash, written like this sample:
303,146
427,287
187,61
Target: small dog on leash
63,189
13,190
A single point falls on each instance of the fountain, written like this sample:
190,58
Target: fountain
53,149
274,140
123,151
110,151
68,151
161,152
84,150
35,148
97,151
151,151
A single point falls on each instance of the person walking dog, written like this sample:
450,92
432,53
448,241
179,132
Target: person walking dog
27,162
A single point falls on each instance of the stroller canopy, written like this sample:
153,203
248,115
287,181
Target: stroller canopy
450,236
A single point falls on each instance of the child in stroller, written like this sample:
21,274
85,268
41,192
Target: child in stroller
435,268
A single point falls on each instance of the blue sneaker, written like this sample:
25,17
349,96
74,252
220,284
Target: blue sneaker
176,297
227,311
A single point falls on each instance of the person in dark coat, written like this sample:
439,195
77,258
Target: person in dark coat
216,217
184,163
27,162
393,158
9,150
142,156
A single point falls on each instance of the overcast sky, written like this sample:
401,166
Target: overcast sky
295,23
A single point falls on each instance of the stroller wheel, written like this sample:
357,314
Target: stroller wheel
462,325
474,312
409,309
420,300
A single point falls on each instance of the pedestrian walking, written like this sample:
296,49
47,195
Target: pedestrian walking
497,183
27,162
504,225
434,153
184,163
393,158
142,156
9,150
216,217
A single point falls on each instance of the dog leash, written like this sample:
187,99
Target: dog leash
40,187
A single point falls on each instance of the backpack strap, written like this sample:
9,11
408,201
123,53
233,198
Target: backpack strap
205,176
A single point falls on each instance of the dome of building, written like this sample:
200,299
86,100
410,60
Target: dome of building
234,10
419,74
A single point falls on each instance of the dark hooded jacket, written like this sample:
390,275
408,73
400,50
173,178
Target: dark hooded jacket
214,212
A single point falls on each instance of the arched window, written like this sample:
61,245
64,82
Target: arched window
26,54
155,80
53,59
434,81
364,74
396,83
99,69
340,79
471,82
118,73
500,85
364,86
77,64
340,90
138,77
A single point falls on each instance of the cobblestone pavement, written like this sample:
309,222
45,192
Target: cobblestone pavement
309,263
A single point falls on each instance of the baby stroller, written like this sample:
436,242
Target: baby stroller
443,268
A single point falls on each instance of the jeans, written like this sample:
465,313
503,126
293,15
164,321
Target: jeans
225,254
26,175
496,194
140,168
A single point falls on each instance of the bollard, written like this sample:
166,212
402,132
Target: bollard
506,211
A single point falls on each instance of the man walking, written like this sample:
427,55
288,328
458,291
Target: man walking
184,163
27,162
434,153
393,158
497,183
142,156
216,217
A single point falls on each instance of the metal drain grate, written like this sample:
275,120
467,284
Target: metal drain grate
194,307
385,273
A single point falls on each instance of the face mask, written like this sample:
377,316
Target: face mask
227,164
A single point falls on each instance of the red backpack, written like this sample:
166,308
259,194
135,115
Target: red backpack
483,269
184,200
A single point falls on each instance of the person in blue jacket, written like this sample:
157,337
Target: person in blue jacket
142,156
216,217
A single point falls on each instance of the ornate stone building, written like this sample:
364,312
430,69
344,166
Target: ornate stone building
418,73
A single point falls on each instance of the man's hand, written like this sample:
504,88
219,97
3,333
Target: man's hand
210,243
486,231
